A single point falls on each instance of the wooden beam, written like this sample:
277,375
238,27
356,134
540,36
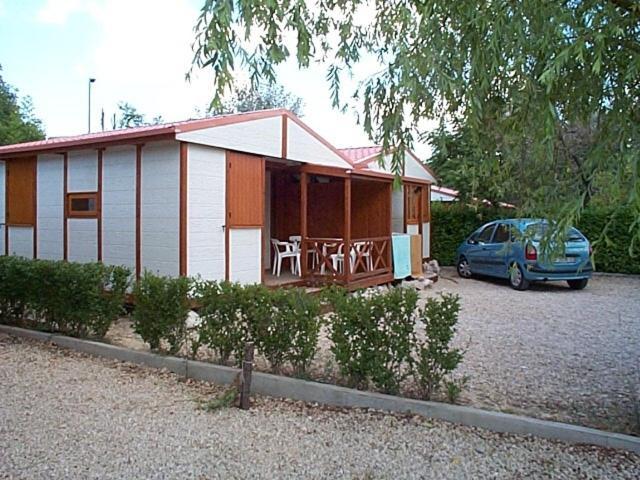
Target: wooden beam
35,207
304,179
322,170
347,229
184,152
138,209
99,206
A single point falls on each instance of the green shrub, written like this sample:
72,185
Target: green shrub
161,308
285,326
373,336
224,327
78,299
282,323
436,358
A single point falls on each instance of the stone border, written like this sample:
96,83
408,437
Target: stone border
279,386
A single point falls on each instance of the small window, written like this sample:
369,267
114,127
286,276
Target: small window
82,204
502,234
485,235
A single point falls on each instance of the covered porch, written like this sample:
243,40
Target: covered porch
329,225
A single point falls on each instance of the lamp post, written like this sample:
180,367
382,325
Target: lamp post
91,80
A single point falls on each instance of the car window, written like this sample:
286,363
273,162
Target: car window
486,233
502,233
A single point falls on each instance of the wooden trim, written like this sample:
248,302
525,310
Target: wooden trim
347,229
303,223
64,146
65,213
99,206
184,153
262,227
138,209
82,214
322,170
226,215
285,128
35,207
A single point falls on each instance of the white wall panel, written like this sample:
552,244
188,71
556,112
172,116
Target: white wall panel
426,239
82,171
397,210
206,211
413,229
245,247
413,168
263,137
50,211
304,147
2,207
160,208
21,241
82,239
119,206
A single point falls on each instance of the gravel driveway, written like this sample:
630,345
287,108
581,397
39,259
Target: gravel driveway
551,352
66,415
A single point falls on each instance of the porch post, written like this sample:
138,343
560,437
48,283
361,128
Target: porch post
347,229
303,224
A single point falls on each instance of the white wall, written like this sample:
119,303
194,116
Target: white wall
426,239
245,247
82,171
82,234
262,137
160,208
397,210
119,206
206,212
21,241
413,229
2,207
413,168
304,147
50,209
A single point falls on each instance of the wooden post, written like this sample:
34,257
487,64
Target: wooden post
303,224
347,229
247,368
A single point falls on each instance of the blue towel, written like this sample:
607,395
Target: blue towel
401,255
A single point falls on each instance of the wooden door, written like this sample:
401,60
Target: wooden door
21,191
245,190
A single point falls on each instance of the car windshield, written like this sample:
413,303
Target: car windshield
536,231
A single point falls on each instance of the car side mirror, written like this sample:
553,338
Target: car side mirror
472,241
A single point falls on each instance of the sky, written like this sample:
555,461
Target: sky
138,51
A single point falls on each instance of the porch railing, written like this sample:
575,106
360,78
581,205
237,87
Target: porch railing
325,259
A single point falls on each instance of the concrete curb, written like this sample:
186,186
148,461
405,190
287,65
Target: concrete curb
278,386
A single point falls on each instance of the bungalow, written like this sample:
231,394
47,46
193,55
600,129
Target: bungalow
216,198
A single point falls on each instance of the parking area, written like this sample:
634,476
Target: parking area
551,352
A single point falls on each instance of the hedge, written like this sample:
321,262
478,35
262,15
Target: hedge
452,223
79,299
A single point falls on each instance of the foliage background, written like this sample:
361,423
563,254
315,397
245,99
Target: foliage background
608,229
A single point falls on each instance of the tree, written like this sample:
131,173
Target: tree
515,74
18,123
129,116
249,98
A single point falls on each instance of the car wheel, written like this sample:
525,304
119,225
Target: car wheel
516,277
463,267
578,284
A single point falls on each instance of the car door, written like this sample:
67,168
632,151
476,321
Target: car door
497,252
477,254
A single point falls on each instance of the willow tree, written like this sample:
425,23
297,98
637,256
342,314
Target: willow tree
514,73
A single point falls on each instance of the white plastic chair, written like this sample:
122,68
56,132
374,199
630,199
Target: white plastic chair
362,248
283,250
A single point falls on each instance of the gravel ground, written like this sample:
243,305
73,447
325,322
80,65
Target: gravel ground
551,352
66,415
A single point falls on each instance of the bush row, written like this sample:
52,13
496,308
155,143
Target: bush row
378,339
72,298
452,223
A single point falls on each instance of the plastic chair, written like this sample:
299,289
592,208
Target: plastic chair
283,250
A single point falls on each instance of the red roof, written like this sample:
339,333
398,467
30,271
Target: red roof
358,154
169,129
